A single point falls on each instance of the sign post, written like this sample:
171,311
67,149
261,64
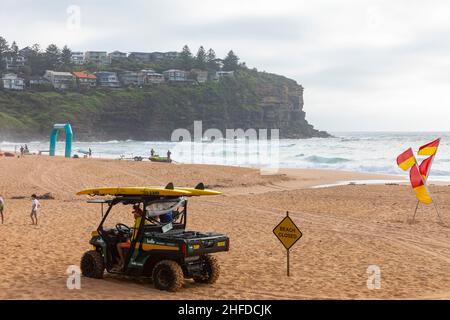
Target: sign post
288,234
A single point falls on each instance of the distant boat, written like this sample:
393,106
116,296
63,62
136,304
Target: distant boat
157,158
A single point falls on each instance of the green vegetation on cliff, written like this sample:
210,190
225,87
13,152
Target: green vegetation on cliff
249,100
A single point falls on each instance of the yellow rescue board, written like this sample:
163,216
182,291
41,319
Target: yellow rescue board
135,191
200,192
149,191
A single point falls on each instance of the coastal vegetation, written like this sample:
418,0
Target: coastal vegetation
248,99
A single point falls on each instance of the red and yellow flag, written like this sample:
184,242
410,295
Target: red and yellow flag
430,148
406,160
425,166
419,187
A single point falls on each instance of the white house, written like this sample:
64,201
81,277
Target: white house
14,63
77,58
60,80
12,82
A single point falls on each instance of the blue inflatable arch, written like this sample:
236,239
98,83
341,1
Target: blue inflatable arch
54,138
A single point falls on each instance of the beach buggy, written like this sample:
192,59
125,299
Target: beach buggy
158,246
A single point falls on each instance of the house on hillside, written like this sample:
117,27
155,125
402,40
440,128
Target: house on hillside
158,56
175,75
14,63
171,55
60,80
223,74
141,56
107,79
151,77
26,52
85,79
77,58
201,76
36,82
117,55
132,78
100,58
11,81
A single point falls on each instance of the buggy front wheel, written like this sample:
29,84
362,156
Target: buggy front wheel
92,265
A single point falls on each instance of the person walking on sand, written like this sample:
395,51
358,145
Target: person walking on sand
168,155
2,207
35,205
21,151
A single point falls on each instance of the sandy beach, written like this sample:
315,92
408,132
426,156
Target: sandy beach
345,229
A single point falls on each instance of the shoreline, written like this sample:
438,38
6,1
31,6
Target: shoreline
303,177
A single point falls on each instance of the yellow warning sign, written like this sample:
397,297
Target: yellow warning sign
287,232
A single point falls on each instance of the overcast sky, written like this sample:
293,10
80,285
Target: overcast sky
365,65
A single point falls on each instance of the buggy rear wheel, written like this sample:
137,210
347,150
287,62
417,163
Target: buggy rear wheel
92,265
168,275
211,270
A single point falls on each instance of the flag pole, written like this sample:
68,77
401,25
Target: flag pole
415,211
437,211
426,178
417,204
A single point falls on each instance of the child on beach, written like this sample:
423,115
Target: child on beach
35,205
2,206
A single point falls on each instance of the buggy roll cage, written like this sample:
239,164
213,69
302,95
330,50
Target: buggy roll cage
146,200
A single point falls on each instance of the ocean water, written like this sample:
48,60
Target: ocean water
372,152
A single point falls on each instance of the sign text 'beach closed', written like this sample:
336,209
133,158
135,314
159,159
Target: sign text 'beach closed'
288,234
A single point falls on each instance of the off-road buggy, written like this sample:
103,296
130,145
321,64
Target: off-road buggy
159,245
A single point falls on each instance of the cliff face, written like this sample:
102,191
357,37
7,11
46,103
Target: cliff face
250,100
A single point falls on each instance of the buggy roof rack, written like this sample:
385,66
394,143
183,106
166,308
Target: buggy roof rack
100,201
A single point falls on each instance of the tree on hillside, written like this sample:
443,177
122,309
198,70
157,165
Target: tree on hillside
231,62
4,49
186,58
200,59
211,60
36,60
36,48
66,58
14,51
52,57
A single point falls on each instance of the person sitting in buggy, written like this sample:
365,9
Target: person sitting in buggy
126,245
162,211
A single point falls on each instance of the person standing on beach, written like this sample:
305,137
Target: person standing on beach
35,205
168,155
2,207
152,152
90,153
21,151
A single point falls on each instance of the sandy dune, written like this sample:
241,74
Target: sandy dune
345,230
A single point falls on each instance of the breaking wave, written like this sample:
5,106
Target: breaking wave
318,159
